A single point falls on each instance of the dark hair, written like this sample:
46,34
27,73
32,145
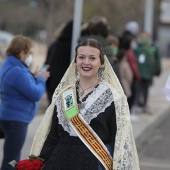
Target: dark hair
127,33
125,42
99,29
67,31
92,43
121,53
99,26
18,44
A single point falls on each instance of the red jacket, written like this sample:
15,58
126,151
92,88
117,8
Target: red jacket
133,63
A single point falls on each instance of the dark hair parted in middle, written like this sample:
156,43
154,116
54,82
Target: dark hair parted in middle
92,43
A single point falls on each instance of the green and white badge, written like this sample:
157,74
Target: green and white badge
142,58
69,103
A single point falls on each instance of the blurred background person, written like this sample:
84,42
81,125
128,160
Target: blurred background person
133,28
126,43
115,63
149,65
20,92
99,30
58,57
125,73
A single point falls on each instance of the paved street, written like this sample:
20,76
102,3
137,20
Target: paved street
155,152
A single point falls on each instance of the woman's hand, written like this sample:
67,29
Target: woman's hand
36,71
44,74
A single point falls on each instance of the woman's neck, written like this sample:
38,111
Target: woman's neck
85,83
86,86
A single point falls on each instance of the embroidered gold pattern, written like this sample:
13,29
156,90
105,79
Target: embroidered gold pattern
92,141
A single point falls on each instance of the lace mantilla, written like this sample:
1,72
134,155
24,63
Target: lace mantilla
96,103
125,154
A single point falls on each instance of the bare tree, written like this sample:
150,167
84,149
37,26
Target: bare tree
49,14
55,13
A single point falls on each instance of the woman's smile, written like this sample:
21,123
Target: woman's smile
86,68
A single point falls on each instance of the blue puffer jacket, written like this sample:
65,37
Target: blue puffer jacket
20,91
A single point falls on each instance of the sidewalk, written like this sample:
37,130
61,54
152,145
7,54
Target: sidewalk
142,129
158,105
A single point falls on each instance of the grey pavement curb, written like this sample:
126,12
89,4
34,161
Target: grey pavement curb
143,137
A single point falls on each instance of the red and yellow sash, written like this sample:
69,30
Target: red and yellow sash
83,130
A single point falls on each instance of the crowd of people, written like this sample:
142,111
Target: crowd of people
92,101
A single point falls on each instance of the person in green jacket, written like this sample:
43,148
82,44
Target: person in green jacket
149,65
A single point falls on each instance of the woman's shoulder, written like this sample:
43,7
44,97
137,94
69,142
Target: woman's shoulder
108,85
9,71
17,70
117,92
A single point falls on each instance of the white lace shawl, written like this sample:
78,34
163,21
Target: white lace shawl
125,154
96,103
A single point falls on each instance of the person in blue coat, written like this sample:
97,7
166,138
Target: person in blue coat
20,92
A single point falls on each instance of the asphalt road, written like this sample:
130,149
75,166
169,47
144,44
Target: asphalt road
155,153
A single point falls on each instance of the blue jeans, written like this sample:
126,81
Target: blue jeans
110,149
15,134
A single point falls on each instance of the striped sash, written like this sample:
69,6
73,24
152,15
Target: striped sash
83,130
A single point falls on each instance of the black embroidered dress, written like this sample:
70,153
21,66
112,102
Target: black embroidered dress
63,151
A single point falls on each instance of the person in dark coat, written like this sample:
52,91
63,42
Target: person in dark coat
58,58
115,63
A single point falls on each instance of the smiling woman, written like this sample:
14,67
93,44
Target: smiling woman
94,131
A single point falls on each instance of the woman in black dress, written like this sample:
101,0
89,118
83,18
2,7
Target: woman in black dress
99,105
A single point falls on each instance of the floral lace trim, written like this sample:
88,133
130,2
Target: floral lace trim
96,103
